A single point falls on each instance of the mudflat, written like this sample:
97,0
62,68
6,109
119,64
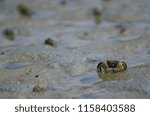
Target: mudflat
50,49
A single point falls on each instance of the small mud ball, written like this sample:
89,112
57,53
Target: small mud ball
63,2
96,11
50,42
9,34
38,89
24,10
97,14
124,31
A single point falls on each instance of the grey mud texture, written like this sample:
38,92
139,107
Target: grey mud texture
69,69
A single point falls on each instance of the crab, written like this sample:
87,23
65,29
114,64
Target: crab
111,66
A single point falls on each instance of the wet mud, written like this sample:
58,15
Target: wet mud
56,45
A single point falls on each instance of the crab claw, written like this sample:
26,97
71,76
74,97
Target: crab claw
103,67
121,66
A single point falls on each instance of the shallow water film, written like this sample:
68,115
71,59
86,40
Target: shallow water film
50,48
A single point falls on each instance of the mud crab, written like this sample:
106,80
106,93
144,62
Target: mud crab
111,66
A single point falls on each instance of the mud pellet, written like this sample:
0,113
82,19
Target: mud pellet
9,34
50,42
38,89
24,10
124,31
97,15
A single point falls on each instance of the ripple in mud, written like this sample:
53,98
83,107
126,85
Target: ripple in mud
16,65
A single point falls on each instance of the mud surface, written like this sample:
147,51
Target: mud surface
31,69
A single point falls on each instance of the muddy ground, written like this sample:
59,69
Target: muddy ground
29,68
